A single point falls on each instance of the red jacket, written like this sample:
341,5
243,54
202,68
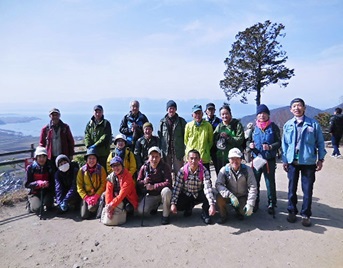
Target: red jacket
67,140
114,195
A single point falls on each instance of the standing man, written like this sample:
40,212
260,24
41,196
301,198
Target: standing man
154,182
143,144
303,152
56,137
171,134
98,135
199,136
336,130
132,124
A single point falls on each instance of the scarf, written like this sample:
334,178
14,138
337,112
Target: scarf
263,125
91,169
120,153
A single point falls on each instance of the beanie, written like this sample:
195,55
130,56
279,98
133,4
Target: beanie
171,103
60,158
148,124
262,109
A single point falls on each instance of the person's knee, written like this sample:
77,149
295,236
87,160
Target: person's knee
166,193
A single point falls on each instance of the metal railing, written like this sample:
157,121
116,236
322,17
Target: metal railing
30,152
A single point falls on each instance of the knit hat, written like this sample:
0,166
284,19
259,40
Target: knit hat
262,108
116,160
171,103
148,124
297,100
60,158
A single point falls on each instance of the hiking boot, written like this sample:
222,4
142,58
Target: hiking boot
239,216
206,218
165,220
154,211
271,209
222,220
187,213
292,217
305,221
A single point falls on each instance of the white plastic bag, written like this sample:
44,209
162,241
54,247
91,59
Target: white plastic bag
259,162
118,217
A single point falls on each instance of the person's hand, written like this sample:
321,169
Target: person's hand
89,200
212,210
110,211
149,187
252,145
285,166
96,198
319,165
223,135
146,180
42,184
173,208
248,209
265,147
234,201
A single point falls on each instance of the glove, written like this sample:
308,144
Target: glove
64,205
89,200
248,209
42,184
95,198
234,200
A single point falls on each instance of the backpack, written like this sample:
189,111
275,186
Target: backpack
243,169
201,171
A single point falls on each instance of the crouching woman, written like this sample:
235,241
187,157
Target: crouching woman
120,197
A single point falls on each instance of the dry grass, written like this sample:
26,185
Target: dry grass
12,198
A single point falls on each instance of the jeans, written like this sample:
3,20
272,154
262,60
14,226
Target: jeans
268,172
335,144
307,181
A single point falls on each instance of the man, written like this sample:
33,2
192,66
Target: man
303,152
236,184
132,124
193,186
171,133
199,136
336,130
265,141
154,183
56,137
144,143
98,135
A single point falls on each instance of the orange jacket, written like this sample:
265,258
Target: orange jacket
127,189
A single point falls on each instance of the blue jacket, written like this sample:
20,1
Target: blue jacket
312,146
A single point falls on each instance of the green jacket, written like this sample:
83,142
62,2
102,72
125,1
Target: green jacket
199,138
178,139
99,135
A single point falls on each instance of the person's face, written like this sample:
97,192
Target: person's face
134,107
98,114
120,144
55,118
91,160
117,168
210,112
297,109
62,162
235,162
197,116
225,115
41,159
154,159
263,117
148,132
171,111
193,160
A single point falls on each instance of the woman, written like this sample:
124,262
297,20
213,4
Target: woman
120,195
227,135
265,142
39,179
65,183
91,183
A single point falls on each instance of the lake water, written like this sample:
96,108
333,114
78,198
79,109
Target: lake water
77,123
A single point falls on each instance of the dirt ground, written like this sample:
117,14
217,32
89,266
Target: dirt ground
257,241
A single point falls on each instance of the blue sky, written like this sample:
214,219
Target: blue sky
84,50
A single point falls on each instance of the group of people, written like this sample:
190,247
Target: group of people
144,171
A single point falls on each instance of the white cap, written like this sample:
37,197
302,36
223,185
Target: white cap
235,152
154,149
119,136
40,151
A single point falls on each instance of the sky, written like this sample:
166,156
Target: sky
62,51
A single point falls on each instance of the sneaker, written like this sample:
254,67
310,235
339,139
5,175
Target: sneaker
165,220
339,156
305,221
222,220
206,218
333,155
187,213
292,217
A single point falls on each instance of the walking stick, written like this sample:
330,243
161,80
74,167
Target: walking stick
41,205
142,219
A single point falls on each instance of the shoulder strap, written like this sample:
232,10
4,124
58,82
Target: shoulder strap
186,171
